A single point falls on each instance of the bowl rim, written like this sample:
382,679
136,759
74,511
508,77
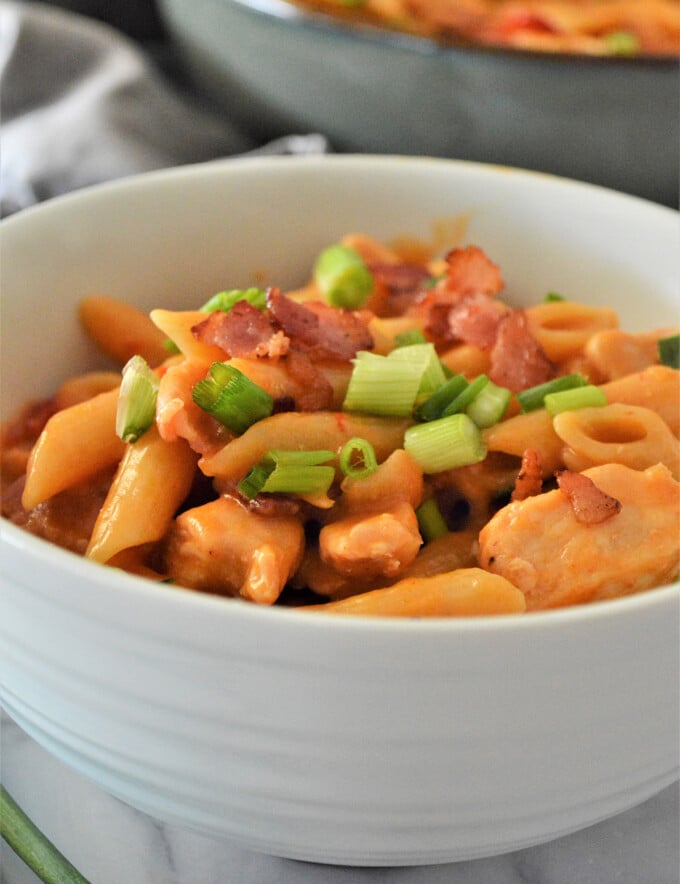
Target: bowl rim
292,15
183,599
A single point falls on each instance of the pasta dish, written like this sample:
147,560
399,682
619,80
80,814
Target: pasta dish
392,438
592,27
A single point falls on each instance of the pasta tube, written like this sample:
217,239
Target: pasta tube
121,330
294,431
626,434
75,444
469,592
153,479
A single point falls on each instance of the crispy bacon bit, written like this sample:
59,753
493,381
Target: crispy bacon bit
400,279
314,390
517,359
29,423
475,320
323,332
529,481
470,271
590,504
244,331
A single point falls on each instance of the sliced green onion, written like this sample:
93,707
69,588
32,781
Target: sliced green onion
34,848
553,296
622,43
299,480
171,346
224,301
136,400
489,405
570,400
253,482
465,397
433,407
425,355
232,398
286,458
445,444
433,280
384,386
430,520
408,337
292,472
669,351
533,397
343,278
357,458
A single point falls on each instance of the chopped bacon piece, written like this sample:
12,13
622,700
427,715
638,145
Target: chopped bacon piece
475,320
469,271
590,504
517,359
323,332
529,481
244,331
400,279
314,392
29,423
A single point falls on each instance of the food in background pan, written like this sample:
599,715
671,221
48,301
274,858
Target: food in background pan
592,27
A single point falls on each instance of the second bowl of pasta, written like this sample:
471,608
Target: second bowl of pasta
341,508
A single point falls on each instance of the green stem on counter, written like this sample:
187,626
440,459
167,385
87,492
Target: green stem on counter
29,843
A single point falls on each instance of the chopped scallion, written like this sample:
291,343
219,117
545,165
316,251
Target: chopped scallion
533,397
171,346
286,458
232,398
343,278
433,407
489,405
136,400
253,482
445,444
570,400
669,351
357,458
384,386
430,520
465,397
426,356
553,296
290,472
224,301
408,337
622,43
314,480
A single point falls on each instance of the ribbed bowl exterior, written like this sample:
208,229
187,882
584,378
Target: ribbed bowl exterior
369,742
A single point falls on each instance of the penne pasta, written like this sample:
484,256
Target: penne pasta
77,443
153,479
177,325
469,592
121,330
302,432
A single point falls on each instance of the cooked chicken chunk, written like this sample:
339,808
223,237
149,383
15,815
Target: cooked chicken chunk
222,547
540,547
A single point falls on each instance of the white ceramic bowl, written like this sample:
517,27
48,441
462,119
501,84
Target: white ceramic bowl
277,69
340,740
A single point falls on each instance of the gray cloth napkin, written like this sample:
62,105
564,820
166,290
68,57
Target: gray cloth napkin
81,103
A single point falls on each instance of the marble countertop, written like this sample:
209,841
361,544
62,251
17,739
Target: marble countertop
111,843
